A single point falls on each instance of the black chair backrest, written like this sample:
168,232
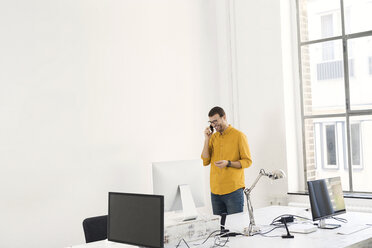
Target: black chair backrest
95,228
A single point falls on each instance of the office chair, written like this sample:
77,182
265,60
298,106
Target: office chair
95,228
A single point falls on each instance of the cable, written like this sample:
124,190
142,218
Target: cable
288,215
276,219
274,236
235,230
263,233
277,224
217,237
339,219
209,236
220,244
206,238
184,242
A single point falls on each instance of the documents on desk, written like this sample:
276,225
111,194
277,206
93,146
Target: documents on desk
176,229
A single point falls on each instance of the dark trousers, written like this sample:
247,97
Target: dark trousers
230,203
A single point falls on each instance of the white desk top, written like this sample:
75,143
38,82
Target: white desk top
320,238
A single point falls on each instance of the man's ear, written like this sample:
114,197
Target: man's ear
224,117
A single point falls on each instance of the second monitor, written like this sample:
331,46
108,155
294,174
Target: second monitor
181,183
326,200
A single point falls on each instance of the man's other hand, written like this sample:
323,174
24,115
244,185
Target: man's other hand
221,164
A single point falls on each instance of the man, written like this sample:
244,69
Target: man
228,153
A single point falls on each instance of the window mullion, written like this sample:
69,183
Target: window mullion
301,93
347,95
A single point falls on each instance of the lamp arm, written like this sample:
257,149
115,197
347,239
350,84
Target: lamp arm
277,174
247,193
250,210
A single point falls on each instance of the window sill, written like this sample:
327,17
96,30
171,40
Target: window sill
355,195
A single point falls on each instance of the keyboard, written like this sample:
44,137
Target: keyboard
345,230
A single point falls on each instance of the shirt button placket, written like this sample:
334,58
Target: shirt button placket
221,148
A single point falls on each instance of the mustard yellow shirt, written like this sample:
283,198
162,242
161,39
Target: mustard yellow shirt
230,145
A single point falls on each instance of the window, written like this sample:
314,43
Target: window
330,142
327,31
327,25
336,91
330,70
330,145
318,145
356,147
333,70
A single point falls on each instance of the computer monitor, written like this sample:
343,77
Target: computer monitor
136,219
181,183
326,200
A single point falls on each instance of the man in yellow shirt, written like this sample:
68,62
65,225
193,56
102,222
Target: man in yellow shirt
228,153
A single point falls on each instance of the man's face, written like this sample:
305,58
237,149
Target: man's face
219,123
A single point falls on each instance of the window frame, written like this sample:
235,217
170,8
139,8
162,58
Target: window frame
348,111
325,141
360,134
320,144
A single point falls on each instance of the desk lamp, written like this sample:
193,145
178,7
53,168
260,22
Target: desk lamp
276,174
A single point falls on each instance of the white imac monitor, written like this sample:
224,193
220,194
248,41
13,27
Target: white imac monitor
181,183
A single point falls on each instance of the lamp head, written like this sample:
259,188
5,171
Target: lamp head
276,174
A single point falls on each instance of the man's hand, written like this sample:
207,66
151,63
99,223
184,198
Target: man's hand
221,164
207,133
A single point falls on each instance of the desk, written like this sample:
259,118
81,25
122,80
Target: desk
264,216
320,238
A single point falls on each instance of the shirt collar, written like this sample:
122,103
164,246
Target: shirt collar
227,130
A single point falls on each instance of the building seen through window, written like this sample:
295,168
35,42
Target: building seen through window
335,48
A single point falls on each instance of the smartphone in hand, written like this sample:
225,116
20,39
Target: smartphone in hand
212,129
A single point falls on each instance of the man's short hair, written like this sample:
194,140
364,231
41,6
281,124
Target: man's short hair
216,110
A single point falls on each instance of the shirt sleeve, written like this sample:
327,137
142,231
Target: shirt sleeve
245,154
207,161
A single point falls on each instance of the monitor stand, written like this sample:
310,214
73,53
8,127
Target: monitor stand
323,225
188,205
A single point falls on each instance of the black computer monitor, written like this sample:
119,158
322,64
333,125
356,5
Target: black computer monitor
326,200
136,219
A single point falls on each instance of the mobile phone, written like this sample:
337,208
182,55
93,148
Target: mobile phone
211,127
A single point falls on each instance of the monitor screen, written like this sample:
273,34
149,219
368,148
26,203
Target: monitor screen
167,176
136,219
326,197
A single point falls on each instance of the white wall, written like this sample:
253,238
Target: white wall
292,101
91,92
261,92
